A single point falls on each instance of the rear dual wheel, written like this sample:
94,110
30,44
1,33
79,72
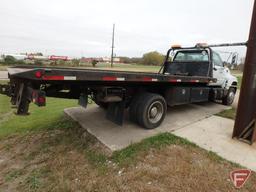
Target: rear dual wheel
148,110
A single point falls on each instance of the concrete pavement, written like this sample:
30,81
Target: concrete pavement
117,137
214,134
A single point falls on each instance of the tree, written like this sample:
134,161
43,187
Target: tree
9,60
75,62
94,62
152,58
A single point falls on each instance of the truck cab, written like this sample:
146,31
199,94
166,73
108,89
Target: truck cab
202,61
222,73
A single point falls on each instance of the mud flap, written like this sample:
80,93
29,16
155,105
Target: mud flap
115,112
83,100
23,99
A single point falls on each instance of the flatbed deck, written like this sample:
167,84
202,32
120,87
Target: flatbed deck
56,74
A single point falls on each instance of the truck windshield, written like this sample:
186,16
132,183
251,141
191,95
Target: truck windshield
198,56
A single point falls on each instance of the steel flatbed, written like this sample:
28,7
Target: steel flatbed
57,75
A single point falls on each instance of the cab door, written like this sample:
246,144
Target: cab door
218,70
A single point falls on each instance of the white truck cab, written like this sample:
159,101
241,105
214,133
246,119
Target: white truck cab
222,73
224,79
203,61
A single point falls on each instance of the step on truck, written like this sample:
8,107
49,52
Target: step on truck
188,75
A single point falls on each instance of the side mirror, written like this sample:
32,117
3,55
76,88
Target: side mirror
214,68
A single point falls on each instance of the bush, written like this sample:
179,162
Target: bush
39,63
9,60
152,58
94,63
75,62
61,62
129,60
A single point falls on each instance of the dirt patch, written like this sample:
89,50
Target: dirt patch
69,160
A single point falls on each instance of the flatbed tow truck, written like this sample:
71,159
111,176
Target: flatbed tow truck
188,75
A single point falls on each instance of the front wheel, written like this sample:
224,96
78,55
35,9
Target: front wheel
229,98
151,111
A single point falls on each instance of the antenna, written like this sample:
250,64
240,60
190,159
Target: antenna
113,39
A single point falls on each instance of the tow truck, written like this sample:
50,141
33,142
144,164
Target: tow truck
188,75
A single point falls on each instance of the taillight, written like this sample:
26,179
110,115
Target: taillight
38,97
38,74
41,100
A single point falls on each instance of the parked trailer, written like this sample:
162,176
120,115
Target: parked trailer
188,75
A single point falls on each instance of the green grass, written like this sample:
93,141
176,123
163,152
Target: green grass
239,79
163,139
33,180
229,113
39,118
13,174
4,102
127,156
5,105
124,67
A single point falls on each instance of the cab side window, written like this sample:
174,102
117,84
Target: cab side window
217,60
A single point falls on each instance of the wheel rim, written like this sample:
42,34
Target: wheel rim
155,112
231,97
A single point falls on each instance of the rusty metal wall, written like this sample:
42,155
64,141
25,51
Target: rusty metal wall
246,111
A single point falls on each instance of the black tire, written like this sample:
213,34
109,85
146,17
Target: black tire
134,107
151,111
229,98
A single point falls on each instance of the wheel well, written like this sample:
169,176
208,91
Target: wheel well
234,83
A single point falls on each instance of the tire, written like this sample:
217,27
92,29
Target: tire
151,111
134,107
229,98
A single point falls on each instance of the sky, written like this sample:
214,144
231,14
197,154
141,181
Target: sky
84,28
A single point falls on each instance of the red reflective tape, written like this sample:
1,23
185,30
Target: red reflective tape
53,77
109,78
146,79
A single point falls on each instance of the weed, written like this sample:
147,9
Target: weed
13,174
229,113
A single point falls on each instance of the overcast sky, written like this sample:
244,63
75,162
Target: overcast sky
83,27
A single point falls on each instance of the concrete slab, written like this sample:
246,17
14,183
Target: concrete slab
214,133
117,137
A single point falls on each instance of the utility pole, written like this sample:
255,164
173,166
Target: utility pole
113,39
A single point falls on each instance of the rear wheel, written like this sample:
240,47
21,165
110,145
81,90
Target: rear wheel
229,98
151,111
134,107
